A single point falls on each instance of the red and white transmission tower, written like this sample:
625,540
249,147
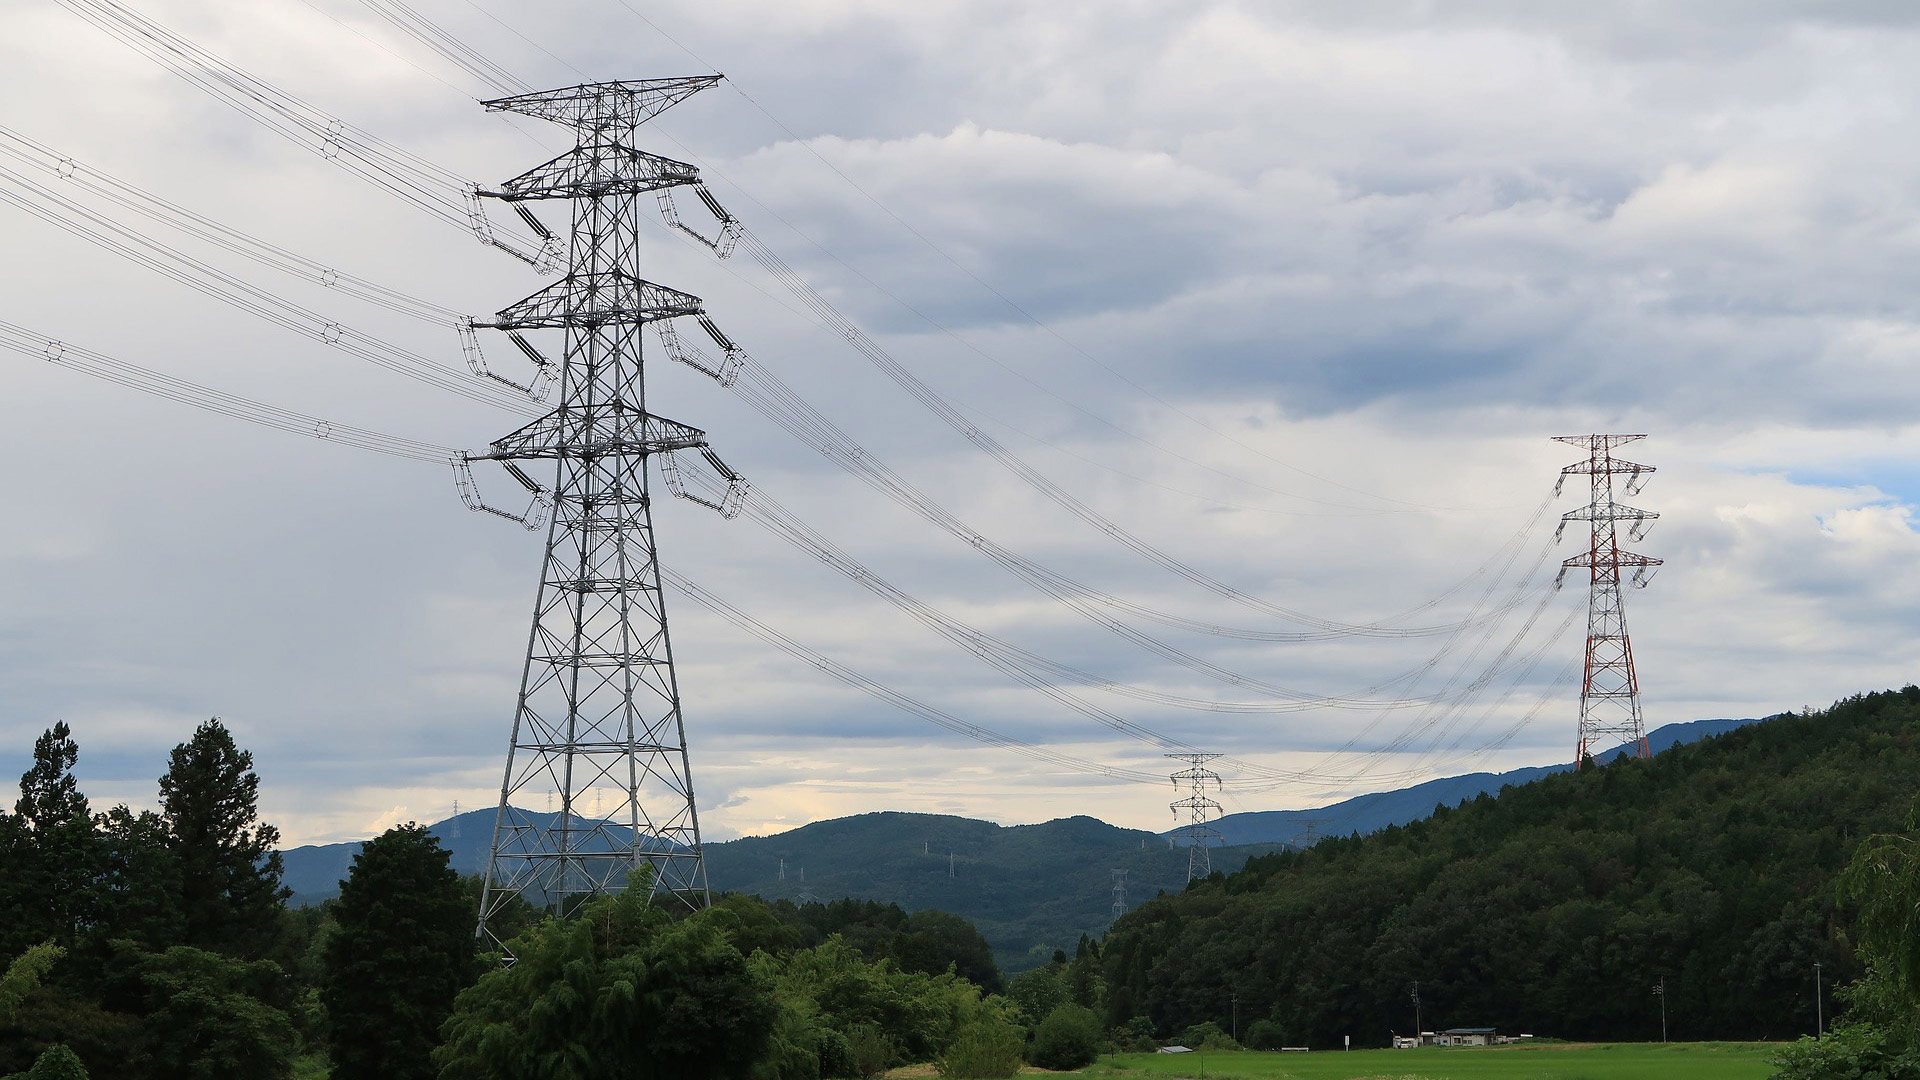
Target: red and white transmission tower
1610,695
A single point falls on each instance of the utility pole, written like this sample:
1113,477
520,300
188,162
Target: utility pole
1819,1006
1235,1017
1200,809
1416,1010
1610,693
599,702
1119,893
1660,992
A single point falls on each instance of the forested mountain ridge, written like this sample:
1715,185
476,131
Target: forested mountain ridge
1558,905
1376,810
1030,889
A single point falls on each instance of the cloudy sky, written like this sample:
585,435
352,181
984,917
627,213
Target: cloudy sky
1296,293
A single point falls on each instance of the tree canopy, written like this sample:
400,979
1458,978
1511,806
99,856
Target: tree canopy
1556,906
229,871
401,950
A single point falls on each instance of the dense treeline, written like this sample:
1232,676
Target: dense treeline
156,945
164,942
1556,907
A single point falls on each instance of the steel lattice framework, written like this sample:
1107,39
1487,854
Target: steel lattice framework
1201,809
1610,693
597,730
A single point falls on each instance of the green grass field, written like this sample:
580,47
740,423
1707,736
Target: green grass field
1553,1061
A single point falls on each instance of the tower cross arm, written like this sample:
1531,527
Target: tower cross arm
592,107
1612,511
1597,442
1605,466
570,431
590,299
1614,558
588,172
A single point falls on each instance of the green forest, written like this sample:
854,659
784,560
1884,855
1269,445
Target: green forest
160,944
1557,907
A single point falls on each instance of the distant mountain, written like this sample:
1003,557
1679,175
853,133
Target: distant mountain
1029,888
1370,813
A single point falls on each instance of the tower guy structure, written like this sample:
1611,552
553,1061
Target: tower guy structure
598,720
1610,693
1200,809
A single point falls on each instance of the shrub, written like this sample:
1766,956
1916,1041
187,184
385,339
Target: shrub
1849,1052
1069,1038
984,1050
1222,1041
58,1063
1206,1034
1128,1043
1264,1035
871,1049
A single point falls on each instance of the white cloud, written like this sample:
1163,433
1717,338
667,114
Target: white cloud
1351,264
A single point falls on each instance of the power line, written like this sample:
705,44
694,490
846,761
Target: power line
88,224
816,294
29,343
437,191
939,717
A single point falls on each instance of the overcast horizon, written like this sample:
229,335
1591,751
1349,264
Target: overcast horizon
1298,295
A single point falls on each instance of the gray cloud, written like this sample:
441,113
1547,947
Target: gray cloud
1344,268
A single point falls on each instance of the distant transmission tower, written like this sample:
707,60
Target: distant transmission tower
1309,833
1610,694
1200,810
1119,893
599,704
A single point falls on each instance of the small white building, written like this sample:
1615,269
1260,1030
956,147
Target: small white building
1467,1037
1462,1036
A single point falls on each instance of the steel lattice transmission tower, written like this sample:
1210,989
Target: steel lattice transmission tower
598,720
1119,893
1201,810
1610,693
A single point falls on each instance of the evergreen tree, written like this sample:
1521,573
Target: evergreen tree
50,845
230,888
402,950
137,894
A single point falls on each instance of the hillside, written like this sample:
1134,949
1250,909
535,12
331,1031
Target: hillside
1030,889
1557,906
1375,811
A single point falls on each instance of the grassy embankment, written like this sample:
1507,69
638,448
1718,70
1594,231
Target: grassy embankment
1558,1061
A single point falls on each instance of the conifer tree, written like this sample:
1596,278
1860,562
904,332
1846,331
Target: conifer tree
402,950
230,890
51,846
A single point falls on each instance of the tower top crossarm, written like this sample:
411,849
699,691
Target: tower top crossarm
605,107
1597,442
1197,775
1601,462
